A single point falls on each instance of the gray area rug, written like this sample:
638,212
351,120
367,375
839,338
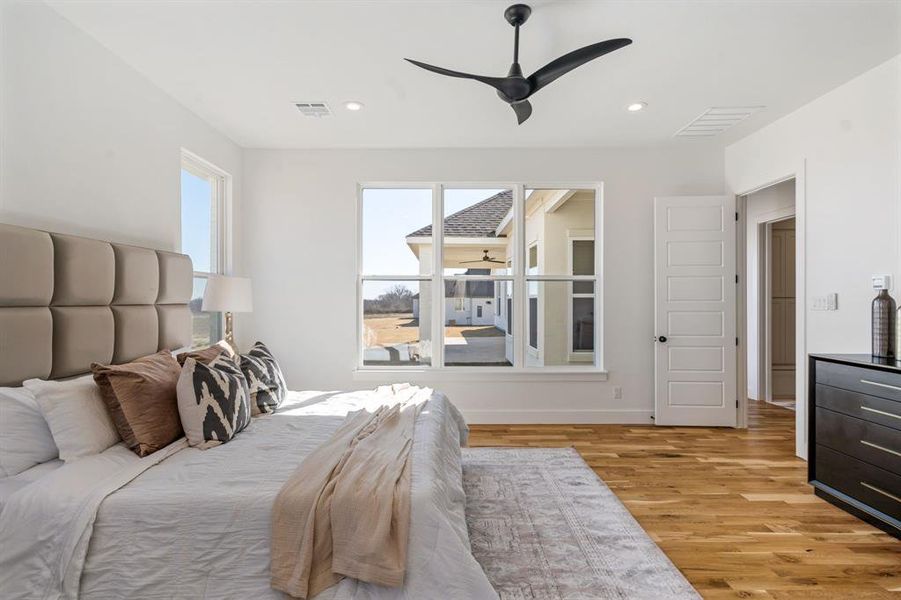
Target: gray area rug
545,527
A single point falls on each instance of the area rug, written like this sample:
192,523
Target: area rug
545,527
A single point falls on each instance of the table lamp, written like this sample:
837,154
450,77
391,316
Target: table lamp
224,293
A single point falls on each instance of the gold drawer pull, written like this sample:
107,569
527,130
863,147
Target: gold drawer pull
879,412
883,385
878,447
880,491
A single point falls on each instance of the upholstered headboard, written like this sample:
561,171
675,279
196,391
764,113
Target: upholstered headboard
68,301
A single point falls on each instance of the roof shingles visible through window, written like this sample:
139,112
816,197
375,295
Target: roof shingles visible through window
479,220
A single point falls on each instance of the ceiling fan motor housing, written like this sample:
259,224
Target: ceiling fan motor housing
517,14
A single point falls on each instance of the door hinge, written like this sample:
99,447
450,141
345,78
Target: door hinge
736,278
736,341
736,215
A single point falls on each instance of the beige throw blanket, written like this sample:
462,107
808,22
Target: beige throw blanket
345,512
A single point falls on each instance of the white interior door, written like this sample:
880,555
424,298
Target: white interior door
694,270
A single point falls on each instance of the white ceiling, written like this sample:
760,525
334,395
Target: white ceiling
240,64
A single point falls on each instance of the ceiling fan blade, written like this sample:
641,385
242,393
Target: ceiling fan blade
498,83
467,262
499,262
570,61
523,111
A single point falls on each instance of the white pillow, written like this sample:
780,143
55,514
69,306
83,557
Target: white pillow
25,439
76,414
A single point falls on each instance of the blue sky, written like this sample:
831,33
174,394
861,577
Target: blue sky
389,216
196,216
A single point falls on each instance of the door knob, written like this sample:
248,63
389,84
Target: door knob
661,339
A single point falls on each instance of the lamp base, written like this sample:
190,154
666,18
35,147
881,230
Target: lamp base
229,330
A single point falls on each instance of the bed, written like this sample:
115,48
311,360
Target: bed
181,522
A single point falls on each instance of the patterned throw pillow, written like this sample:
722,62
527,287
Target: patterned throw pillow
264,378
213,401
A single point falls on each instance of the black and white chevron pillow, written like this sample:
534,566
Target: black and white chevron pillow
264,378
213,401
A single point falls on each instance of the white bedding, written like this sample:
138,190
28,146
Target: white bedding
197,524
11,485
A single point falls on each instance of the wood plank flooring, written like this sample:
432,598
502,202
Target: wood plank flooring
731,508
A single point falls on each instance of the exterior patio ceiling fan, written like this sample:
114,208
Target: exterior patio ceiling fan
514,89
484,258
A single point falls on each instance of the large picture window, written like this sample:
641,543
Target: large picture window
433,259
204,237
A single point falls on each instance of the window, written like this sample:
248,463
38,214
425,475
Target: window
396,285
432,257
581,313
204,217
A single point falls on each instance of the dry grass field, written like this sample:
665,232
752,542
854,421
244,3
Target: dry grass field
390,329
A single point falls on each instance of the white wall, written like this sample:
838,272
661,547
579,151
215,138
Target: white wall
87,145
846,147
761,206
299,222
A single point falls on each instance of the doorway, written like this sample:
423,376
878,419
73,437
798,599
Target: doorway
771,295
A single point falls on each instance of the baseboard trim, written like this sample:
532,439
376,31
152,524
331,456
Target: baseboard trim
558,417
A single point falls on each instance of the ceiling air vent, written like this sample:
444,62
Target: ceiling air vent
313,109
716,120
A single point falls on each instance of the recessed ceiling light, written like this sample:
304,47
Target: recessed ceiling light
636,106
353,105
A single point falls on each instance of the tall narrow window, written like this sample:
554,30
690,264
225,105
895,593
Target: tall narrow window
396,285
203,237
477,230
561,276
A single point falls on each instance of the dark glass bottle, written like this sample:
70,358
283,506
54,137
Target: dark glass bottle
883,325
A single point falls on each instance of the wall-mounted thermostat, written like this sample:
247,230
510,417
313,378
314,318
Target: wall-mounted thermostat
882,282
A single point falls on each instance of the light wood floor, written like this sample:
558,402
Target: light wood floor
731,508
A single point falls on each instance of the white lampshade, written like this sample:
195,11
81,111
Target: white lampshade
224,293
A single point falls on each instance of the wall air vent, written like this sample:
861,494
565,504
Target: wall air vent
716,120
313,109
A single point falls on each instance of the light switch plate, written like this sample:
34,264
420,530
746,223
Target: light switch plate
827,302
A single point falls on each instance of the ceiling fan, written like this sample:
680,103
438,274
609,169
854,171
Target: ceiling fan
514,89
484,258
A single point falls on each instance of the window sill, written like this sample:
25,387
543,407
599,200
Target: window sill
478,374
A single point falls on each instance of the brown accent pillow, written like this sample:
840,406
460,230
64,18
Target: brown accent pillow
206,355
142,401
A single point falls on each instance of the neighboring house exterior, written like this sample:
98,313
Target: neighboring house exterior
559,230
466,303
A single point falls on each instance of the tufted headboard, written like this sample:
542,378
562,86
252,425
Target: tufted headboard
67,301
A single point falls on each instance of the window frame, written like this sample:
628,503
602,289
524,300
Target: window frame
592,371
220,251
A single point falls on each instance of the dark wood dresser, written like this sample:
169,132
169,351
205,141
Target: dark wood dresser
854,435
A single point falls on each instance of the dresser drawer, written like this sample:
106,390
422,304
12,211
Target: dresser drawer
866,381
872,443
871,485
869,408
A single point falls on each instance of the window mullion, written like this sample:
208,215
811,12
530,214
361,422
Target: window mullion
598,287
437,276
519,282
